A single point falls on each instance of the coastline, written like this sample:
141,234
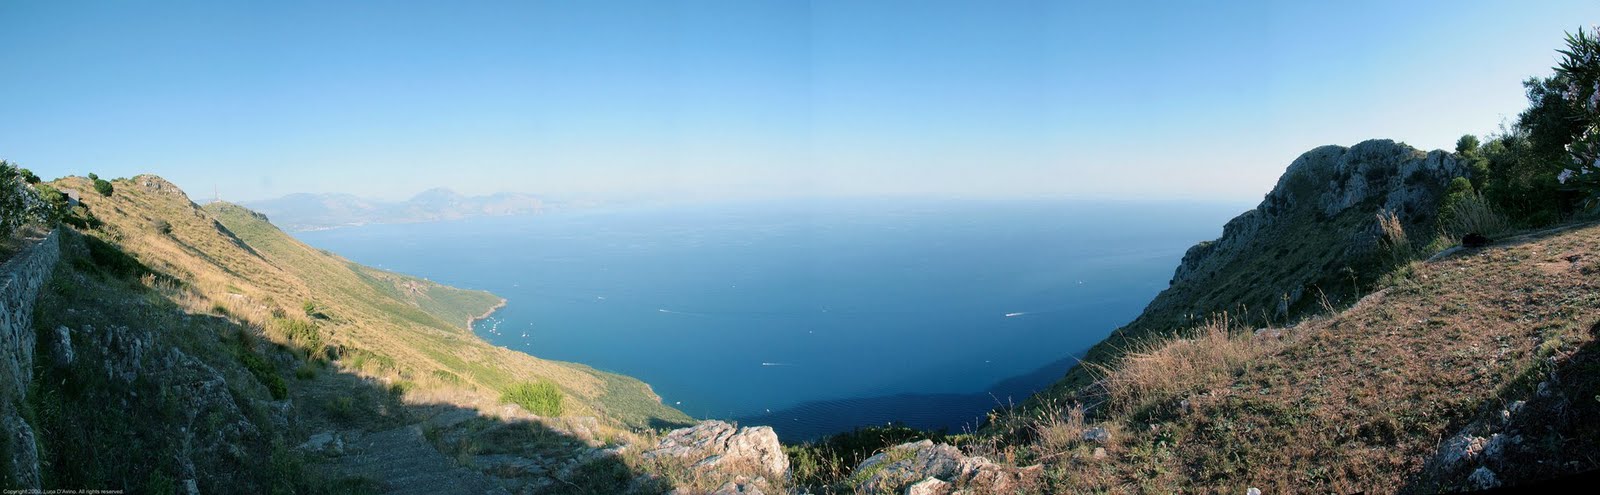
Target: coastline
485,314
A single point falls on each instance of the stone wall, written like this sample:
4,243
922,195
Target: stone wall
21,278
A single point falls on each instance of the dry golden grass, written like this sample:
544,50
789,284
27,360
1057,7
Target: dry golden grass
1167,372
408,333
1357,401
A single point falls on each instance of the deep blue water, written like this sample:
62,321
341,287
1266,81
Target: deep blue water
814,316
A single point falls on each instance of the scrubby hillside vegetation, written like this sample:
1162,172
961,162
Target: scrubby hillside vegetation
1315,346
183,347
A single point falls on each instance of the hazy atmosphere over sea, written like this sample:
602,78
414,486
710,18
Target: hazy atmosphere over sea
741,309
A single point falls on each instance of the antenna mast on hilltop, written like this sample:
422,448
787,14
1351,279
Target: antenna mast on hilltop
216,192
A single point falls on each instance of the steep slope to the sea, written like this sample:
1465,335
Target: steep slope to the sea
226,344
1313,242
1475,370
1472,370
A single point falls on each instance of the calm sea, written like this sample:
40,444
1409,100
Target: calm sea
812,316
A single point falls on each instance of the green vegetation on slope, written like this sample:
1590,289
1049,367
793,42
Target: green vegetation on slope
541,398
230,342
428,323
193,394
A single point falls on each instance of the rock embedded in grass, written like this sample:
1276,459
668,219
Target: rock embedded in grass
721,447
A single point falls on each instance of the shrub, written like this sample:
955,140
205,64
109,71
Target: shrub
28,176
1458,190
19,203
342,408
258,367
1578,80
306,371
541,398
301,332
264,373
1472,214
103,187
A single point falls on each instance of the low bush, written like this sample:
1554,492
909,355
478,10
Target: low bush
303,333
541,398
103,187
263,371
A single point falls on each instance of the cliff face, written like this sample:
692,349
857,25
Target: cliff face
21,277
1373,176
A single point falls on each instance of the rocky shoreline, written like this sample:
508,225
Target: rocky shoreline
486,314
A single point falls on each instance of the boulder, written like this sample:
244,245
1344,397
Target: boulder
1097,435
721,449
908,463
930,486
1461,448
325,443
912,464
61,347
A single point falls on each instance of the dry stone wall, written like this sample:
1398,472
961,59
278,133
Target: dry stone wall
21,278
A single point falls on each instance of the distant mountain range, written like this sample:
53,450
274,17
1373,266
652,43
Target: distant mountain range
308,211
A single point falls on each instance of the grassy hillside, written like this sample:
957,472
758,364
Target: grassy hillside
405,331
1376,398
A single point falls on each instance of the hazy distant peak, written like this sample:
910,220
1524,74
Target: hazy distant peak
437,193
315,211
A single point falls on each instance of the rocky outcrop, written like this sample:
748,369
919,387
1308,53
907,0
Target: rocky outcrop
21,278
745,456
1330,180
937,469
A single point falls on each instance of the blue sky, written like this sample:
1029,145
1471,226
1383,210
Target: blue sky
751,98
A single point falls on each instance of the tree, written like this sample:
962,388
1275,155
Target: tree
1522,182
103,187
1548,164
1470,152
1568,115
20,204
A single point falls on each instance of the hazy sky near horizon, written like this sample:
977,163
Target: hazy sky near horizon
706,99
